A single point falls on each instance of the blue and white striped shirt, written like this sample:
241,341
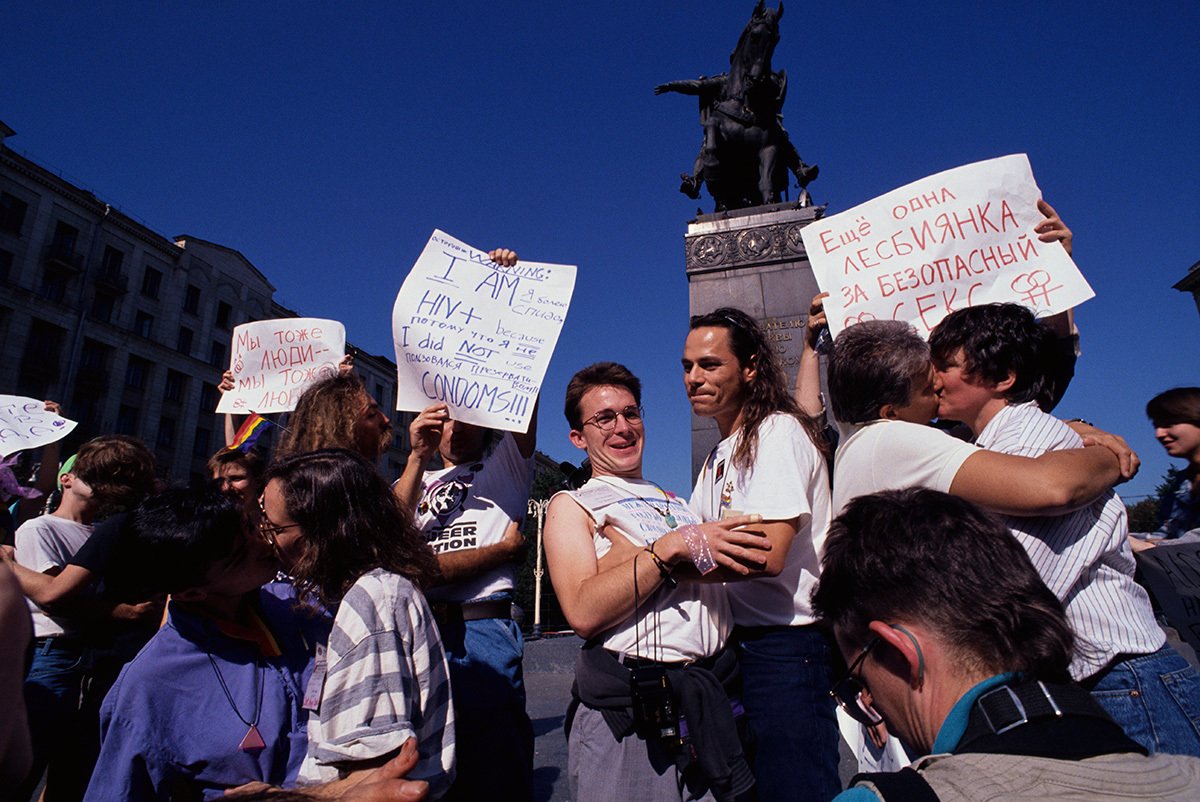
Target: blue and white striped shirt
1083,556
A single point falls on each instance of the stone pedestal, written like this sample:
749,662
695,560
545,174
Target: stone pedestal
752,259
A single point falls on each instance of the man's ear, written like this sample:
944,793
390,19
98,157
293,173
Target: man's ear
577,439
1006,385
888,412
906,644
66,479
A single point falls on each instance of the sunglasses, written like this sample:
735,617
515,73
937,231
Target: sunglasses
849,692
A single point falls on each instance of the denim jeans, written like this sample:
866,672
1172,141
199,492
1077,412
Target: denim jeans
786,678
492,732
60,738
1156,700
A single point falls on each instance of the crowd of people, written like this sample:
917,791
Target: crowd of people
307,628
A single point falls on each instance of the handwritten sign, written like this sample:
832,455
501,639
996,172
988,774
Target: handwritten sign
1172,572
25,423
963,237
274,361
477,335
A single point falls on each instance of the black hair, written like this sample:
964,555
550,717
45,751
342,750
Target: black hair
1177,405
176,536
926,557
996,340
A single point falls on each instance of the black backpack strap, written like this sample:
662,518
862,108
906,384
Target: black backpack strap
906,785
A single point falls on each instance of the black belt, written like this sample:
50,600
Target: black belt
449,613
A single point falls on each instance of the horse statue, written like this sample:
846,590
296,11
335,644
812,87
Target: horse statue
746,155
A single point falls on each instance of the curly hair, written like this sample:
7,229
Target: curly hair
767,393
120,470
325,416
918,555
351,523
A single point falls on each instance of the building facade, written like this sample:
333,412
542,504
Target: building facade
127,329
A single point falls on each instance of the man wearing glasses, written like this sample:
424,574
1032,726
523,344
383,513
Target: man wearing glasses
650,717
966,654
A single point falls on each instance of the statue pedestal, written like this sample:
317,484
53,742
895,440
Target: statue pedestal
752,259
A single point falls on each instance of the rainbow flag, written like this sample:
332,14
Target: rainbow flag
249,433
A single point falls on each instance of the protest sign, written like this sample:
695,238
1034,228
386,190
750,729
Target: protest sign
475,334
25,423
963,237
274,361
1172,573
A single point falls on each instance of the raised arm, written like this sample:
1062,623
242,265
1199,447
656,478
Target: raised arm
1052,484
808,376
225,386
424,434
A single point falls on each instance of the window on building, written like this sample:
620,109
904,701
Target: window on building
209,394
137,370
184,343
93,355
176,386
127,420
202,445
191,301
166,433
66,236
87,407
6,260
143,324
110,263
216,355
224,311
54,284
104,304
12,213
151,282
44,345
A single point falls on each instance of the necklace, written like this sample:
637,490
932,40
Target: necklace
667,516
252,741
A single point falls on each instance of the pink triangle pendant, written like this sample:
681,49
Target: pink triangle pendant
252,742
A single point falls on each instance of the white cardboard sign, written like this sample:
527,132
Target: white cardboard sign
25,423
477,335
274,361
960,238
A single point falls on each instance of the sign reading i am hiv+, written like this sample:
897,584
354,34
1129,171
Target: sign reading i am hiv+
963,237
25,423
274,361
477,335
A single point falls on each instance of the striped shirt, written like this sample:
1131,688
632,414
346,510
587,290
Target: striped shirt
1083,556
386,681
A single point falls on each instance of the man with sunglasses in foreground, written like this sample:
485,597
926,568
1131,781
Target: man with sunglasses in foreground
954,641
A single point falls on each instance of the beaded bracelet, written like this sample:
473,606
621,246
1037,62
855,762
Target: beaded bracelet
697,546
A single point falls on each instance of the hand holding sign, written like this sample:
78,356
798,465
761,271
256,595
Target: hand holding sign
963,237
477,332
274,361
29,423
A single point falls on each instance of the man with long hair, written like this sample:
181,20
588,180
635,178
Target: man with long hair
772,462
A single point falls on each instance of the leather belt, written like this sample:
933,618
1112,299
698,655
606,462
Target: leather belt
446,613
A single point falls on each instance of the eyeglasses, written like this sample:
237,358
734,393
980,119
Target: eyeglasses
606,419
270,531
849,692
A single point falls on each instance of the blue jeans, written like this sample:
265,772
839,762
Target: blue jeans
786,678
492,732
1156,700
61,739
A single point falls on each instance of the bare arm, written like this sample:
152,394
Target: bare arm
1052,484
225,386
596,600
424,434
808,377
47,590
457,565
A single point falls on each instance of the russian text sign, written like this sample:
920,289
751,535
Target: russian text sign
25,423
274,361
477,335
963,237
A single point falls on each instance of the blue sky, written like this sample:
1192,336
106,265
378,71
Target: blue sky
326,142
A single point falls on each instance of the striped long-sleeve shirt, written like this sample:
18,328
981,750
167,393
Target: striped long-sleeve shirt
1083,556
386,681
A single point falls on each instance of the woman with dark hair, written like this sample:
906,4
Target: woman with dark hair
344,538
1176,418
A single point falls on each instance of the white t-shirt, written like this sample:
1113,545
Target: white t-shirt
688,622
470,506
788,479
45,543
892,455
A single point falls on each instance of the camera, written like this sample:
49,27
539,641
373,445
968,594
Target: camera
653,710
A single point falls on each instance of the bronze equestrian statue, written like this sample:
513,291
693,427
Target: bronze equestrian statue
746,154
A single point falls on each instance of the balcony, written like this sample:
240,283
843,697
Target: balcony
62,255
